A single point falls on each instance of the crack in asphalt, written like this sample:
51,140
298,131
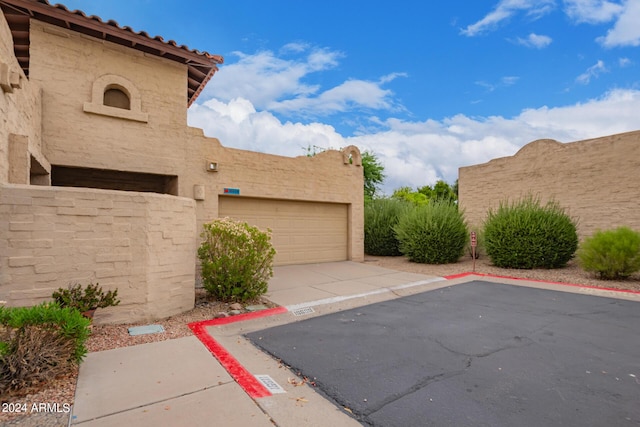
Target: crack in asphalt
520,343
416,387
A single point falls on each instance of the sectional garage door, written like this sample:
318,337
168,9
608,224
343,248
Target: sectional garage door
302,232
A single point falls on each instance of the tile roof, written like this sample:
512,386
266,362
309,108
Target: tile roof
18,13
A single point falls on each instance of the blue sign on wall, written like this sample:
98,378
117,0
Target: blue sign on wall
235,191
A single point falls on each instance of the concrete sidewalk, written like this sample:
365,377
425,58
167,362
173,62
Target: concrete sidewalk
179,382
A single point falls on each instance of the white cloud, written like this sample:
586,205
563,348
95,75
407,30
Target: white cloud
509,80
592,11
626,30
625,15
272,83
295,47
593,71
416,153
504,10
350,95
624,62
264,77
535,41
504,82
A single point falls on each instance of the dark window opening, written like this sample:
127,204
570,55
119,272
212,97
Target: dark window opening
114,97
64,176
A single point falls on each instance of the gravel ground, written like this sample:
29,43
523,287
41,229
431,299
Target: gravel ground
572,273
114,336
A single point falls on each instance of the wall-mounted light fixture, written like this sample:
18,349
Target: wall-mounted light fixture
212,166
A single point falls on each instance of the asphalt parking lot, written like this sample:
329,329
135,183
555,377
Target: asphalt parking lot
473,354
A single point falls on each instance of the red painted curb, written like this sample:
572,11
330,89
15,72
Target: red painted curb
458,276
247,381
240,317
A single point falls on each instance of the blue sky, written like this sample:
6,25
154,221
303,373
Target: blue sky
426,86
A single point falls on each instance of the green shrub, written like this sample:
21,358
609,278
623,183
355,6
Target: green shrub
39,343
612,254
433,234
525,234
380,216
84,299
236,259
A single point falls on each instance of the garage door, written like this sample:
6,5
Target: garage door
302,232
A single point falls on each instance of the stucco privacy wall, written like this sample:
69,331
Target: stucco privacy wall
596,180
142,244
20,124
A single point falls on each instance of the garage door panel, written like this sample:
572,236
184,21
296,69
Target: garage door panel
302,232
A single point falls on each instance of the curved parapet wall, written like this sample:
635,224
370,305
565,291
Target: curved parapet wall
142,244
596,180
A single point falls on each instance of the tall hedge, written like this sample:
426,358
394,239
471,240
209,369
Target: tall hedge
435,233
380,217
525,234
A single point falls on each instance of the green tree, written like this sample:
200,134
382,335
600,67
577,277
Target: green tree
441,191
406,193
373,172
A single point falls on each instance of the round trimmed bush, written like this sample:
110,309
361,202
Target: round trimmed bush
527,235
432,234
236,260
612,254
380,216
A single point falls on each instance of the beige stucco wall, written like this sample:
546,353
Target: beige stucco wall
596,180
20,118
66,64
326,177
142,244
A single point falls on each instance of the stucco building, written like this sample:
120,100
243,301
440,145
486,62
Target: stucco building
102,180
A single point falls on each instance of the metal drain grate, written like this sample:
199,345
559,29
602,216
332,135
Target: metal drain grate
303,311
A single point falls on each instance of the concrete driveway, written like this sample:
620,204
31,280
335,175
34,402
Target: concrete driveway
333,282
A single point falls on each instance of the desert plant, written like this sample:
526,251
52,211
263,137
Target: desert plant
39,343
236,260
380,216
85,299
525,234
611,254
433,234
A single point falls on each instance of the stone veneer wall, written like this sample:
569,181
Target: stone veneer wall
143,244
596,180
